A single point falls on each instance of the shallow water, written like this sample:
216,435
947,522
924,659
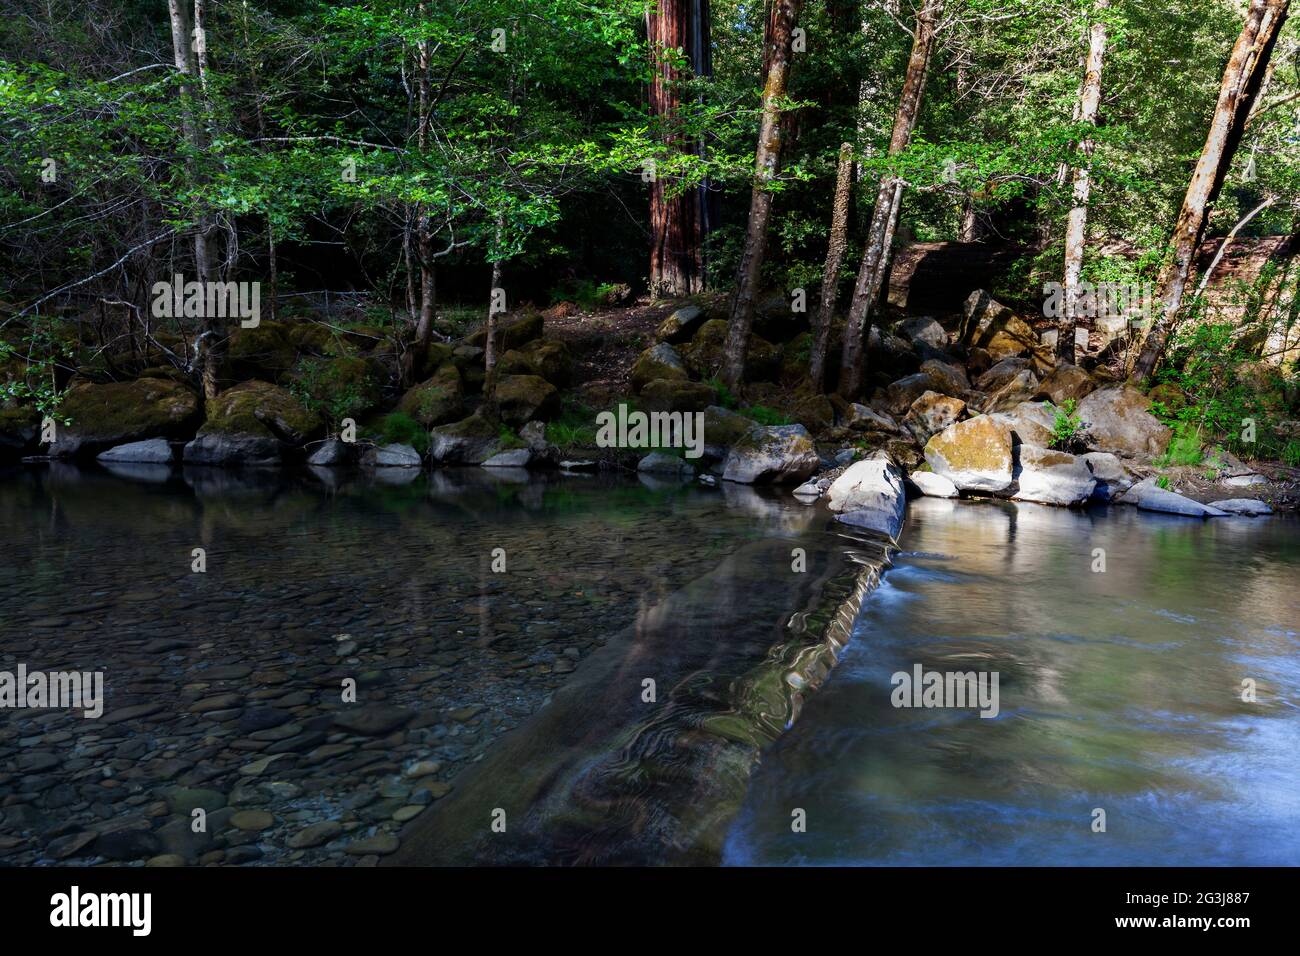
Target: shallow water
387,579
1119,690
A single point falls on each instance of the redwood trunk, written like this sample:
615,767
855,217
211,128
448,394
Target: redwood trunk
1077,228
884,216
1242,79
679,222
834,260
767,162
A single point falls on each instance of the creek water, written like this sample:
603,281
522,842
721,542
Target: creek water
649,678
1120,690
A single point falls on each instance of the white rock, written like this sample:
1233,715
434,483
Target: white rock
932,485
1052,477
869,494
514,458
154,451
392,456
1150,497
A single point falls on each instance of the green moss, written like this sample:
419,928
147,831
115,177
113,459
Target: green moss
400,428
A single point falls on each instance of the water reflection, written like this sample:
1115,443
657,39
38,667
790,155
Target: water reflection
1120,690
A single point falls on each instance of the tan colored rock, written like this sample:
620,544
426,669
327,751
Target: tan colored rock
975,455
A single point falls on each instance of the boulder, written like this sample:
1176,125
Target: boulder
658,363
522,398
681,325
331,452
1117,421
102,416
1021,387
676,395
900,395
1001,373
703,355
1242,506
1052,477
391,456
534,436
511,458
470,441
948,379
512,334
932,485
544,358
990,325
723,428
437,401
924,333
932,413
153,451
863,418
975,455
1030,422
662,463
347,385
19,429
1111,474
1148,496
869,494
251,424
772,454
265,352
1066,382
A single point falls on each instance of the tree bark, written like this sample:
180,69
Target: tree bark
424,239
1076,229
1242,79
834,260
767,162
678,224
884,216
186,63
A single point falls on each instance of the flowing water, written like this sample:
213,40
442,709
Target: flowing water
1120,690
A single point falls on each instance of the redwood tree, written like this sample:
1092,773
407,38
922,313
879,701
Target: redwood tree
678,222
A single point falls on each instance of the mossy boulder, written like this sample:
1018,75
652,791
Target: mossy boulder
703,356
436,354
658,363
114,413
544,358
436,402
975,455
471,441
676,395
772,455
681,325
512,334
469,359
266,352
520,399
252,423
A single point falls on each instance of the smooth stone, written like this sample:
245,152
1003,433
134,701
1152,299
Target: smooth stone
154,451
932,485
381,844
1242,506
314,835
255,820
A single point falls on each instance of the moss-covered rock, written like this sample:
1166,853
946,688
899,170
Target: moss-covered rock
545,358
266,352
703,356
658,363
676,395
471,441
104,415
513,334
436,354
975,455
522,398
19,429
436,402
260,408
343,386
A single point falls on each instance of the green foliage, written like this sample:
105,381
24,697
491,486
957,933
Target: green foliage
1163,482
1067,427
399,428
1184,448
726,397
766,416
508,438
336,389
573,428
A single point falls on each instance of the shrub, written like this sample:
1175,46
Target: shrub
401,429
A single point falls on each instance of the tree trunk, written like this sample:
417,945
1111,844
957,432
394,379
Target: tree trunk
1076,229
834,260
1242,78
424,241
186,65
884,216
489,344
767,162
678,224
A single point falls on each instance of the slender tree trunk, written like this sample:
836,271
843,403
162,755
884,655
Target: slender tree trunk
1245,72
424,241
884,216
271,264
1076,229
834,260
489,344
187,66
767,162
678,224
